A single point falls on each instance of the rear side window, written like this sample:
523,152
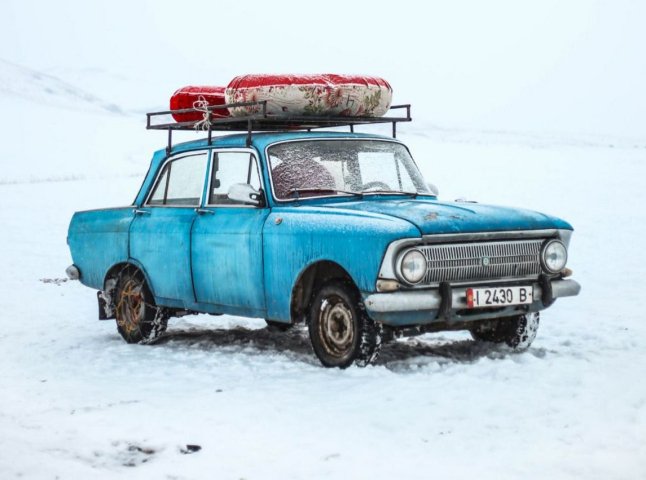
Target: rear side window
181,182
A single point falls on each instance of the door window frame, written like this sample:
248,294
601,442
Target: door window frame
254,154
178,156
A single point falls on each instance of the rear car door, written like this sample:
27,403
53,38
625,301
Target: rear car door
160,234
227,256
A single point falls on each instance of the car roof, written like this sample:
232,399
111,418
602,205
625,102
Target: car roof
261,140
258,140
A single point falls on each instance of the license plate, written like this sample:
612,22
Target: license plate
498,296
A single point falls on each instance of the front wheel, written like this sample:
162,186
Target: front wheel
340,329
517,332
138,318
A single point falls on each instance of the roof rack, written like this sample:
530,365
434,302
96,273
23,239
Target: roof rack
261,121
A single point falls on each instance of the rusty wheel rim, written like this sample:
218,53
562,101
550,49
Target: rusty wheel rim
336,327
131,307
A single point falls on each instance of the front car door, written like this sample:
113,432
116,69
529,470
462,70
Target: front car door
227,257
160,234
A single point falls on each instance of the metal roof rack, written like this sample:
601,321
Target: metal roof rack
261,121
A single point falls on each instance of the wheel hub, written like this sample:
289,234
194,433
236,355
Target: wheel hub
131,307
337,328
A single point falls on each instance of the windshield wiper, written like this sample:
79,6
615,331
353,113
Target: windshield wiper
391,192
298,191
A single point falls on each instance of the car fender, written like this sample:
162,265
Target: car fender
295,238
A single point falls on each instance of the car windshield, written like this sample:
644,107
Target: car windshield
342,167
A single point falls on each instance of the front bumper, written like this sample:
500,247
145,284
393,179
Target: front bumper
449,303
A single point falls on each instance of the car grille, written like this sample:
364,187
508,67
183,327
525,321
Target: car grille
482,261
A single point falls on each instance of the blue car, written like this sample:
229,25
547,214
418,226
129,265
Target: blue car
338,230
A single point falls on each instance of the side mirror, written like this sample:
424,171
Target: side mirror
245,193
433,188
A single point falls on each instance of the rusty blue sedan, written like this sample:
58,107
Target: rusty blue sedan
338,230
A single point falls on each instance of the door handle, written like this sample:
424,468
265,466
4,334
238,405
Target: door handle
204,211
138,211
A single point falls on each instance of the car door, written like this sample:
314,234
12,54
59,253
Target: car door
160,234
227,258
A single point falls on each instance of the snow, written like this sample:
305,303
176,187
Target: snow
77,402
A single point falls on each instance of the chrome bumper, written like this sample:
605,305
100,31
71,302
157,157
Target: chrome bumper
416,300
73,272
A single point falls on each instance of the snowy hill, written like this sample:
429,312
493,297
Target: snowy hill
59,131
17,81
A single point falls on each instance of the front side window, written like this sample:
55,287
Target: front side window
230,168
181,182
330,167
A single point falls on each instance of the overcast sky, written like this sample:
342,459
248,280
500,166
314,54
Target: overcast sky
548,66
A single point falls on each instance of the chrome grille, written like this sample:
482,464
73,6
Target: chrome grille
482,261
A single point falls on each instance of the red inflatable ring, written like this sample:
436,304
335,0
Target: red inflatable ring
189,97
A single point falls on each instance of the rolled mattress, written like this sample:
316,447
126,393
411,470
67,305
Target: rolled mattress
318,95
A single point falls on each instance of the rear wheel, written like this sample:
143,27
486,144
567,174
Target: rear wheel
138,318
517,332
340,329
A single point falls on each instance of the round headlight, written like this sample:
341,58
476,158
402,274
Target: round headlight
554,256
413,266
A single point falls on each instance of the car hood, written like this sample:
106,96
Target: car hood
436,217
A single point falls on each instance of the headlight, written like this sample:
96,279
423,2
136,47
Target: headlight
413,266
554,256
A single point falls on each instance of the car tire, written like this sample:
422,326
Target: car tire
340,330
516,332
138,318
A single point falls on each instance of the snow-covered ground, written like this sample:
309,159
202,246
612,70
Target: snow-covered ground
77,402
